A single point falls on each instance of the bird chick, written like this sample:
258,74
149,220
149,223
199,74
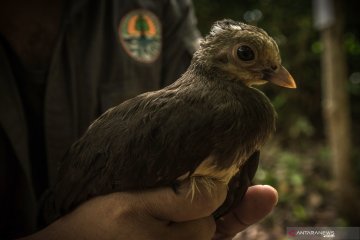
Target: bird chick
206,127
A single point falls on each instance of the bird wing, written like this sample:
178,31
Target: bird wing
148,141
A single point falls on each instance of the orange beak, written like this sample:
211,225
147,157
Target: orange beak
282,78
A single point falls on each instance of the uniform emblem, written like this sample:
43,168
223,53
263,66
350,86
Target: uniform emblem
140,35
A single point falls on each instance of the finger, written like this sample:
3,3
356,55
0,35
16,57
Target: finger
165,204
199,229
258,202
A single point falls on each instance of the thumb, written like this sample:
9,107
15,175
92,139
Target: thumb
180,206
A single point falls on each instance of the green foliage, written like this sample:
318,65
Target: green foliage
352,44
302,177
286,175
301,128
317,47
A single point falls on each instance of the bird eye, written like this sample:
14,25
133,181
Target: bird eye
245,53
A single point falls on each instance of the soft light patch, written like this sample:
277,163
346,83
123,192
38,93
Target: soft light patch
207,174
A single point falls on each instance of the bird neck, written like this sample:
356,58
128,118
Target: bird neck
211,73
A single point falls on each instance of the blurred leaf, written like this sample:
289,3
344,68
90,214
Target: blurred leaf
279,101
352,44
317,47
296,179
301,127
300,212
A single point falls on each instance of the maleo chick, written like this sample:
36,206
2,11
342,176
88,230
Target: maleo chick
203,128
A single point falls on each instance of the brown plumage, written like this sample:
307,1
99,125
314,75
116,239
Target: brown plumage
203,128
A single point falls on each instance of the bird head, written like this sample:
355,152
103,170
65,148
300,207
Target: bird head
243,52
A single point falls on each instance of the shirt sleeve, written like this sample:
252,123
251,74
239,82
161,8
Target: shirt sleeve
181,39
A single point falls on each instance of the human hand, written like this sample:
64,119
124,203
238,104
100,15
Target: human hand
154,214
141,216
258,202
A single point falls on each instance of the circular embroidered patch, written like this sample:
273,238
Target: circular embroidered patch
140,35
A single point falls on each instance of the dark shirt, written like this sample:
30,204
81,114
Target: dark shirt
31,85
106,52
